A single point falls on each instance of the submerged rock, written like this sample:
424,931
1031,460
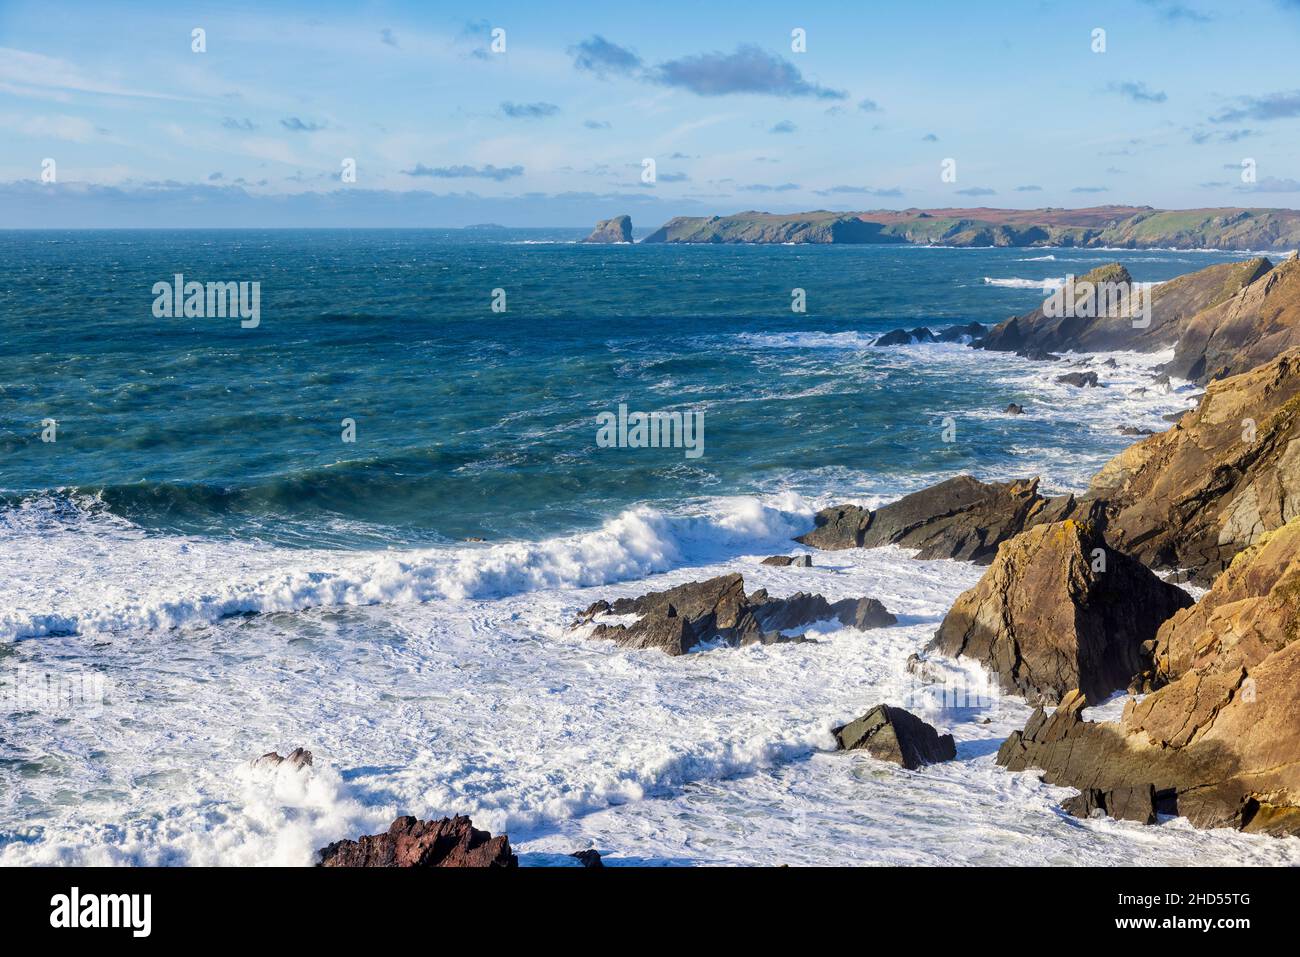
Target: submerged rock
960,518
677,619
297,759
1015,409
410,842
892,734
1059,610
588,858
1084,380
616,230
1136,803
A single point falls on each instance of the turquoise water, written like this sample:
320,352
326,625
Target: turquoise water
475,423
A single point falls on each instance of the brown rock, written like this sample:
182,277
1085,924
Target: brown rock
297,759
892,734
1058,610
1196,495
1124,804
409,842
960,518
615,230
787,561
1222,737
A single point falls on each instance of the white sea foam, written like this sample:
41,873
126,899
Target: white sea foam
1049,283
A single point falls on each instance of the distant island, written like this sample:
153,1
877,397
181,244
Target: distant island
1121,227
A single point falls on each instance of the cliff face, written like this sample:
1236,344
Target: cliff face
1119,226
616,230
1196,495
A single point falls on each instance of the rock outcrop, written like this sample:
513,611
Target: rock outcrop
1059,610
960,518
616,230
678,619
1220,742
410,842
1196,495
1081,380
1124,804
893,734
1094,324
788,561
297,759
902,337
1253,326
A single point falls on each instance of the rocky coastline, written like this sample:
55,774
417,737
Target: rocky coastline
1078,604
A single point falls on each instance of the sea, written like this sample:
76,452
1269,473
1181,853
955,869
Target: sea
364,524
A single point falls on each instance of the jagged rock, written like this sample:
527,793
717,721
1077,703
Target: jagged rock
1015,409
1173,309
297,759
588,858
1134,430
892,734
1034,354
1084,380
960,518
787,561
1218,741
1194,496
616,230
1259,322
905,337
1058,610
679,618
409,842
1124,804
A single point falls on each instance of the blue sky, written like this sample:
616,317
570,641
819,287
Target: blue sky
555,129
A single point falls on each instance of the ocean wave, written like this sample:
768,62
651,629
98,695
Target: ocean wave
166,581
808,340
1049,283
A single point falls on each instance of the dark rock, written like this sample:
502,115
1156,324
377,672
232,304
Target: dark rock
297,759
1110,364
1037,355
409,842
1015,409
905,337
616,230
960,518
1134,430
786,561
1124,803
971,330
588,858
1162,380
679,618
1081,379
1059,610
892,734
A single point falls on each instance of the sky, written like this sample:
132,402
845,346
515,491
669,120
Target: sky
544,114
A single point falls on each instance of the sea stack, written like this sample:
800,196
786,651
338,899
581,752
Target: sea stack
616,230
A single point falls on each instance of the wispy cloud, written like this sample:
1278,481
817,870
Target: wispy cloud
596,124
863,190
1029,188
603,58
387,36
245,125
785,126
1138,92
1273,184
750,69
528,110
868,106
1271,106
496,173
1090,189
765,188
977,191
296,125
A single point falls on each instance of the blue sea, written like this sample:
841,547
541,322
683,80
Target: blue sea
206,569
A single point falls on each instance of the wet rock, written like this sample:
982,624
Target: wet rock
960,518
970,331
1083,380
1136,803
788,561
616,230
1059,610
678,619
1037,355
1134,430
588,858
1015,409
892,734
905,337
297,759
409,842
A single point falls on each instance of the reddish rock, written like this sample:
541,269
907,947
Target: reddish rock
410,842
